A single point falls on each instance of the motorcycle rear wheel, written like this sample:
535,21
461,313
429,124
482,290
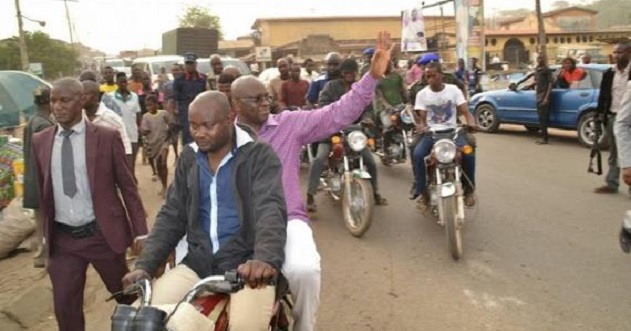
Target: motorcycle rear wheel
357,207
452,229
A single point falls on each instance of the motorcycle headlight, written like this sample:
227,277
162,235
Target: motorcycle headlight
357,141
444,151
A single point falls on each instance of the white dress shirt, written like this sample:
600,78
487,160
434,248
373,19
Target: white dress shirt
78,210
108,118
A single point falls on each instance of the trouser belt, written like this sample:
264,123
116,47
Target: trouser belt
79,232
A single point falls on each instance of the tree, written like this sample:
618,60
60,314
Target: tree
611,13
196,16
57,57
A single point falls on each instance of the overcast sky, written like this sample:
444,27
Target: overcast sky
115,25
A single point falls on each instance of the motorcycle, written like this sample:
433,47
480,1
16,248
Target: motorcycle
399,136
347,179
204,308
445,189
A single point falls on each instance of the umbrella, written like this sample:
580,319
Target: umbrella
16,96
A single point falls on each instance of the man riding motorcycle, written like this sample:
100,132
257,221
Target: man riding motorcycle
247,232
391,92
448,78
333,91
440,104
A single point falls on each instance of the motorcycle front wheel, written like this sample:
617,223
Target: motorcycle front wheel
453,230
357,206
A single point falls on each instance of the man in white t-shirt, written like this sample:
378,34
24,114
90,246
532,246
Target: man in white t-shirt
440,104
126,102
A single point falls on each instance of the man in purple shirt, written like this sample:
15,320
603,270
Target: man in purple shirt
287,132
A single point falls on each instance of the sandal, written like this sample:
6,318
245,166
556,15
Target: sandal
380,201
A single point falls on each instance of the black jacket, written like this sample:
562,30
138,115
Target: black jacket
262,210
606,88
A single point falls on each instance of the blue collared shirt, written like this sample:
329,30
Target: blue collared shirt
316,87
218,210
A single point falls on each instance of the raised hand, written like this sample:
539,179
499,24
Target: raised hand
381,59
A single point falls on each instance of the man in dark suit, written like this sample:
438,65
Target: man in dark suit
81,168
185,88
612,90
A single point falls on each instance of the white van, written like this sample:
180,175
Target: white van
153,64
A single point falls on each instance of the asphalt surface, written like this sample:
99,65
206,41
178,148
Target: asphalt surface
540,251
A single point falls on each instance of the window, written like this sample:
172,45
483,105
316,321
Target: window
532,41
556,40
578,39
584,39
586,82
493,41
597,77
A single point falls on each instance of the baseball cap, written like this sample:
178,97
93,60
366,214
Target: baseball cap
190,57
369,51
427,58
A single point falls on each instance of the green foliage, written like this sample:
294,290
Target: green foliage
196,16
57,57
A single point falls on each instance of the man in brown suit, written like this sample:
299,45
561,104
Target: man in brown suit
81,168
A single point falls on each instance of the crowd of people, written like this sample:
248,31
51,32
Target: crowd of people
235,201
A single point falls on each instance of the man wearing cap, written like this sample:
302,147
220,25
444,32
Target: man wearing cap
367,56
185,88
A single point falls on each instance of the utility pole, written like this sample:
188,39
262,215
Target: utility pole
542,31
23,49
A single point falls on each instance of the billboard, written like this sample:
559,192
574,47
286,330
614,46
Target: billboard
263,54
413,31
470,29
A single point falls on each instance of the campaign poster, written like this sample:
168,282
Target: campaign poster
413,31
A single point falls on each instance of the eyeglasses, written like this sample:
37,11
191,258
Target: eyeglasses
258,99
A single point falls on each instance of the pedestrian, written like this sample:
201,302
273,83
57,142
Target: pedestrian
162,79
287,132
543,88
82,174
155,129
586,58
613,88
570,75
474,74
276,86
97,113
167,90
128,106
41,120
174,126
294,90
225,81
227,195
216,68
108,85
332,61
310,73
461,72
185,88
135,82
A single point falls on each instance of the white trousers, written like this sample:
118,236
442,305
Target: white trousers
301,268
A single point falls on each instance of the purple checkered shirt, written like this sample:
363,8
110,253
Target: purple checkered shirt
288,131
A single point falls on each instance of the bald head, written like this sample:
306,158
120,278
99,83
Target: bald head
233,71
71,84
91,87
211,122
242,85
67,99
87,75
211,101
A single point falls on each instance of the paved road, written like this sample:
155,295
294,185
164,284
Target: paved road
540,253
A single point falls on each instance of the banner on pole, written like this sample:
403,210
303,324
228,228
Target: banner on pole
413,31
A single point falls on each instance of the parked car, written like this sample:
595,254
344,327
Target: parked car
118,65
152,64
203,65
571,109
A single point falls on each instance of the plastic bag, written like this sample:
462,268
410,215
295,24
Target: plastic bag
15,227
